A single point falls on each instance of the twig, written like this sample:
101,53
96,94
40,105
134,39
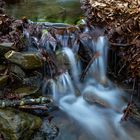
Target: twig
121,45
121,68
128,111
34,107
88,66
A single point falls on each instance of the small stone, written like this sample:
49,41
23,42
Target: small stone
94,99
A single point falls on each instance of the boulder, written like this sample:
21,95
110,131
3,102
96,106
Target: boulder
27,61
17,125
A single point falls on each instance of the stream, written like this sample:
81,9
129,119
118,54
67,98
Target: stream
46,10
90,109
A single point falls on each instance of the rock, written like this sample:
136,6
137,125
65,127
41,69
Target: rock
62,60
27,61
26,91
17,71
3,80
2,68
47,131
94,99
35,80
5,47
17,125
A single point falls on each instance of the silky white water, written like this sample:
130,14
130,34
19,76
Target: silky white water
102,121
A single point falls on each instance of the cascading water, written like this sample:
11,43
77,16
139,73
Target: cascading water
74,69
103,122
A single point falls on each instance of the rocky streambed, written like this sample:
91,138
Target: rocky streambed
29,57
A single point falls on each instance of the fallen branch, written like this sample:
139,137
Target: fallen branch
88,66
121,45
22,102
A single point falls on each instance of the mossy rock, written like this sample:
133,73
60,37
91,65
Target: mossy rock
26,91
62,60
16,125
27,61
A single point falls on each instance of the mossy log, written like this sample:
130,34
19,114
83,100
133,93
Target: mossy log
22,102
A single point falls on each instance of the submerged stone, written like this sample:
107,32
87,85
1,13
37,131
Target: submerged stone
25,60
94,99
17,125
3,80
5,47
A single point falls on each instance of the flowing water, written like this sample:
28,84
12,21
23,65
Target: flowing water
93,106
101,122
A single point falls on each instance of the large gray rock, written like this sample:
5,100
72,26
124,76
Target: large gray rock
24,60
16,125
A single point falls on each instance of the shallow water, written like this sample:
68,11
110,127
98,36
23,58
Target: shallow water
69,129
46,10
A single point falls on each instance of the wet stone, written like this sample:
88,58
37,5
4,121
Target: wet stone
48,131
3,80
26,91
5,47
17,71
17,125
27,61
94,99
35,80
62,60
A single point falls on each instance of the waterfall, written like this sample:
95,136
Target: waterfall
101,47
98,107
73,64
